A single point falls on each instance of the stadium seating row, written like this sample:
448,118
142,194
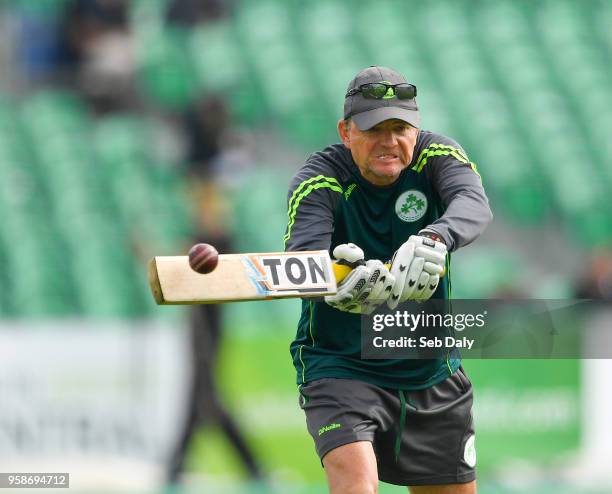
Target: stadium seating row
86,200
525,87
523,100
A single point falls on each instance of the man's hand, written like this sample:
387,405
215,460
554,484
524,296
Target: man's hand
417,266
366,287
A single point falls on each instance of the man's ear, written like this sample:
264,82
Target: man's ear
343,132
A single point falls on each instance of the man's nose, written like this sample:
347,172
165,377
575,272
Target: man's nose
389,138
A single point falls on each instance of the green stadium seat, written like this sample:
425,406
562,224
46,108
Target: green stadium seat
40,286
119,138
602,13
107,285
253,22
43,8
166,73
382,46
261,188
218,60
576,191
315,128
498,270
592,228
53,111
508,174
7,308
155,8
275,57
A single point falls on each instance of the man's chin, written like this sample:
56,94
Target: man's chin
389,171
386,176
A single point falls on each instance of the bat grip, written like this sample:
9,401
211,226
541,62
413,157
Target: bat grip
341,271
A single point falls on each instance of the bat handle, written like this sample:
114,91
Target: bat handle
341,271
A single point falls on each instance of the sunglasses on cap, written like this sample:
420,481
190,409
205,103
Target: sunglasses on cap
382,90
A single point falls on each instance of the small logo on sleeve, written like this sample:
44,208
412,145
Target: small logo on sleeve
348,191
411,205
327,428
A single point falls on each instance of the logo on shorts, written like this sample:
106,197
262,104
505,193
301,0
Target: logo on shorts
328,428
411,205
469,453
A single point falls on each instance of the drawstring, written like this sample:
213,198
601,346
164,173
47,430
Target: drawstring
398,440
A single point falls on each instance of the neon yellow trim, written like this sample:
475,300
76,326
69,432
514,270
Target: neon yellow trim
299,188
448,294
435,145
459,151
302,346
448,276
303,366
310,322
435,149
297,195
473,166
293,211
440,152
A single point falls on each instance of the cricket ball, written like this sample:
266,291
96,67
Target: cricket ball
203,258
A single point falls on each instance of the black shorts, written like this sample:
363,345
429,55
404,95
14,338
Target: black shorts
423,437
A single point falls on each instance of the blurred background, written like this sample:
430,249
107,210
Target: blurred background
133,128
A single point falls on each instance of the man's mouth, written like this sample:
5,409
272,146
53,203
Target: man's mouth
386,157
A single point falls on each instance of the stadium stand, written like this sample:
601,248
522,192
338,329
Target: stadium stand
525,86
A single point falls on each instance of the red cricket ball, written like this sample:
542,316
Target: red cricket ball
203,258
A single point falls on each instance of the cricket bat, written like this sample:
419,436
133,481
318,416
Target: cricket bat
242,277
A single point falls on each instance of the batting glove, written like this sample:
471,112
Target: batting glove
417,266
381,290
366,287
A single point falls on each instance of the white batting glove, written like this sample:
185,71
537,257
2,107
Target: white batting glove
381,290
417,266
367,286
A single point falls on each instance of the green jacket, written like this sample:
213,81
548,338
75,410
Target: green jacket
330,203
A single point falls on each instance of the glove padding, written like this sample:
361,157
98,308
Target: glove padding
417,266
366,287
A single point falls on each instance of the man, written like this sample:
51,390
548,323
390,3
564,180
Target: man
206,125
389,191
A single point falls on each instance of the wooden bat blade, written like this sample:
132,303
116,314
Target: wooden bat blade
242,277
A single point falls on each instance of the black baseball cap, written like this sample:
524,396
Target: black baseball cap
370,112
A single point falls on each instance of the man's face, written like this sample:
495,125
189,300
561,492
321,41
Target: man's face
382,152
